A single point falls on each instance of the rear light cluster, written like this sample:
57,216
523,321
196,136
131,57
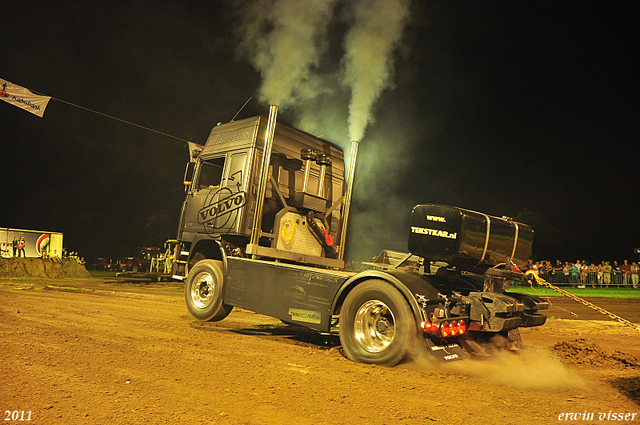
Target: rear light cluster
445,328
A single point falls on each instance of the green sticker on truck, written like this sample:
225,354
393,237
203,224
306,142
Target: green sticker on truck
306,316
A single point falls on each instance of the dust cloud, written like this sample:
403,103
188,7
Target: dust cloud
528,368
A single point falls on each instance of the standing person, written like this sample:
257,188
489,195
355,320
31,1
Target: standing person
600,273
626,275
578,267
557,272
14,245
593,274
575,272
634,274
548,270
617,273
584,271
21,244
607,273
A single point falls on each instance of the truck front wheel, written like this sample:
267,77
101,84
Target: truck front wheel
203,291
376,324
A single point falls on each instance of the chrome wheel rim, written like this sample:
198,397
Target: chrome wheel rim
202,290
374,326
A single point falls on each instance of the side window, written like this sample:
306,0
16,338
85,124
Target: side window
236,170
210,173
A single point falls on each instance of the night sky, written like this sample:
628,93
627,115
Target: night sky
525,109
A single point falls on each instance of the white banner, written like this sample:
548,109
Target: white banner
23,98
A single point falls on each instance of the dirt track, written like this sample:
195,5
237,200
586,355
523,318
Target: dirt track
92,351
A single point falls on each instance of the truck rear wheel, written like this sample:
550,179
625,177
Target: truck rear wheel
376,324
203,291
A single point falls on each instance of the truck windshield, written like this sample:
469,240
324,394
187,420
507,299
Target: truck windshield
210,173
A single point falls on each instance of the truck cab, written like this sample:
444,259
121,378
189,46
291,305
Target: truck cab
222,189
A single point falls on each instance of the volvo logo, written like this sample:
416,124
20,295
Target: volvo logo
220,210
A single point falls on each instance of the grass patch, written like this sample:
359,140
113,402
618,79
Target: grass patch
582,293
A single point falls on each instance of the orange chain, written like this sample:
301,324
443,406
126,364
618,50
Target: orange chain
543,282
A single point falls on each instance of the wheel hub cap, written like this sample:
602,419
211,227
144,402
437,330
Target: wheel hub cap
202,290
374,326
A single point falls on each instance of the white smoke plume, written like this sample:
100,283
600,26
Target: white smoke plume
284,40
377,29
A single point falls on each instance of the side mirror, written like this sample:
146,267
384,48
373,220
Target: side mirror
188,174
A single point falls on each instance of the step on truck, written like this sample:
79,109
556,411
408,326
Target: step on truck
263,228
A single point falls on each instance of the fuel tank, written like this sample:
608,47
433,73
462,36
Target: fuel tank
467,239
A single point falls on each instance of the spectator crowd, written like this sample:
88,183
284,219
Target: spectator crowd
583,273
62,257
580,273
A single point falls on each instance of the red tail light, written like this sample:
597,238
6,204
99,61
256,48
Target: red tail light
429,327
445,329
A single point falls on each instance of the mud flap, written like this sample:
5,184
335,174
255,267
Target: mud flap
447,352
484,344
515,338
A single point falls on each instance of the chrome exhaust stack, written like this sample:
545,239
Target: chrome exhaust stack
307,155
323,161
256,229
347,197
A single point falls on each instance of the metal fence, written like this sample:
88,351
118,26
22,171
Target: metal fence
590,278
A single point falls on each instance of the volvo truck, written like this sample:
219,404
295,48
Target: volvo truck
263,227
